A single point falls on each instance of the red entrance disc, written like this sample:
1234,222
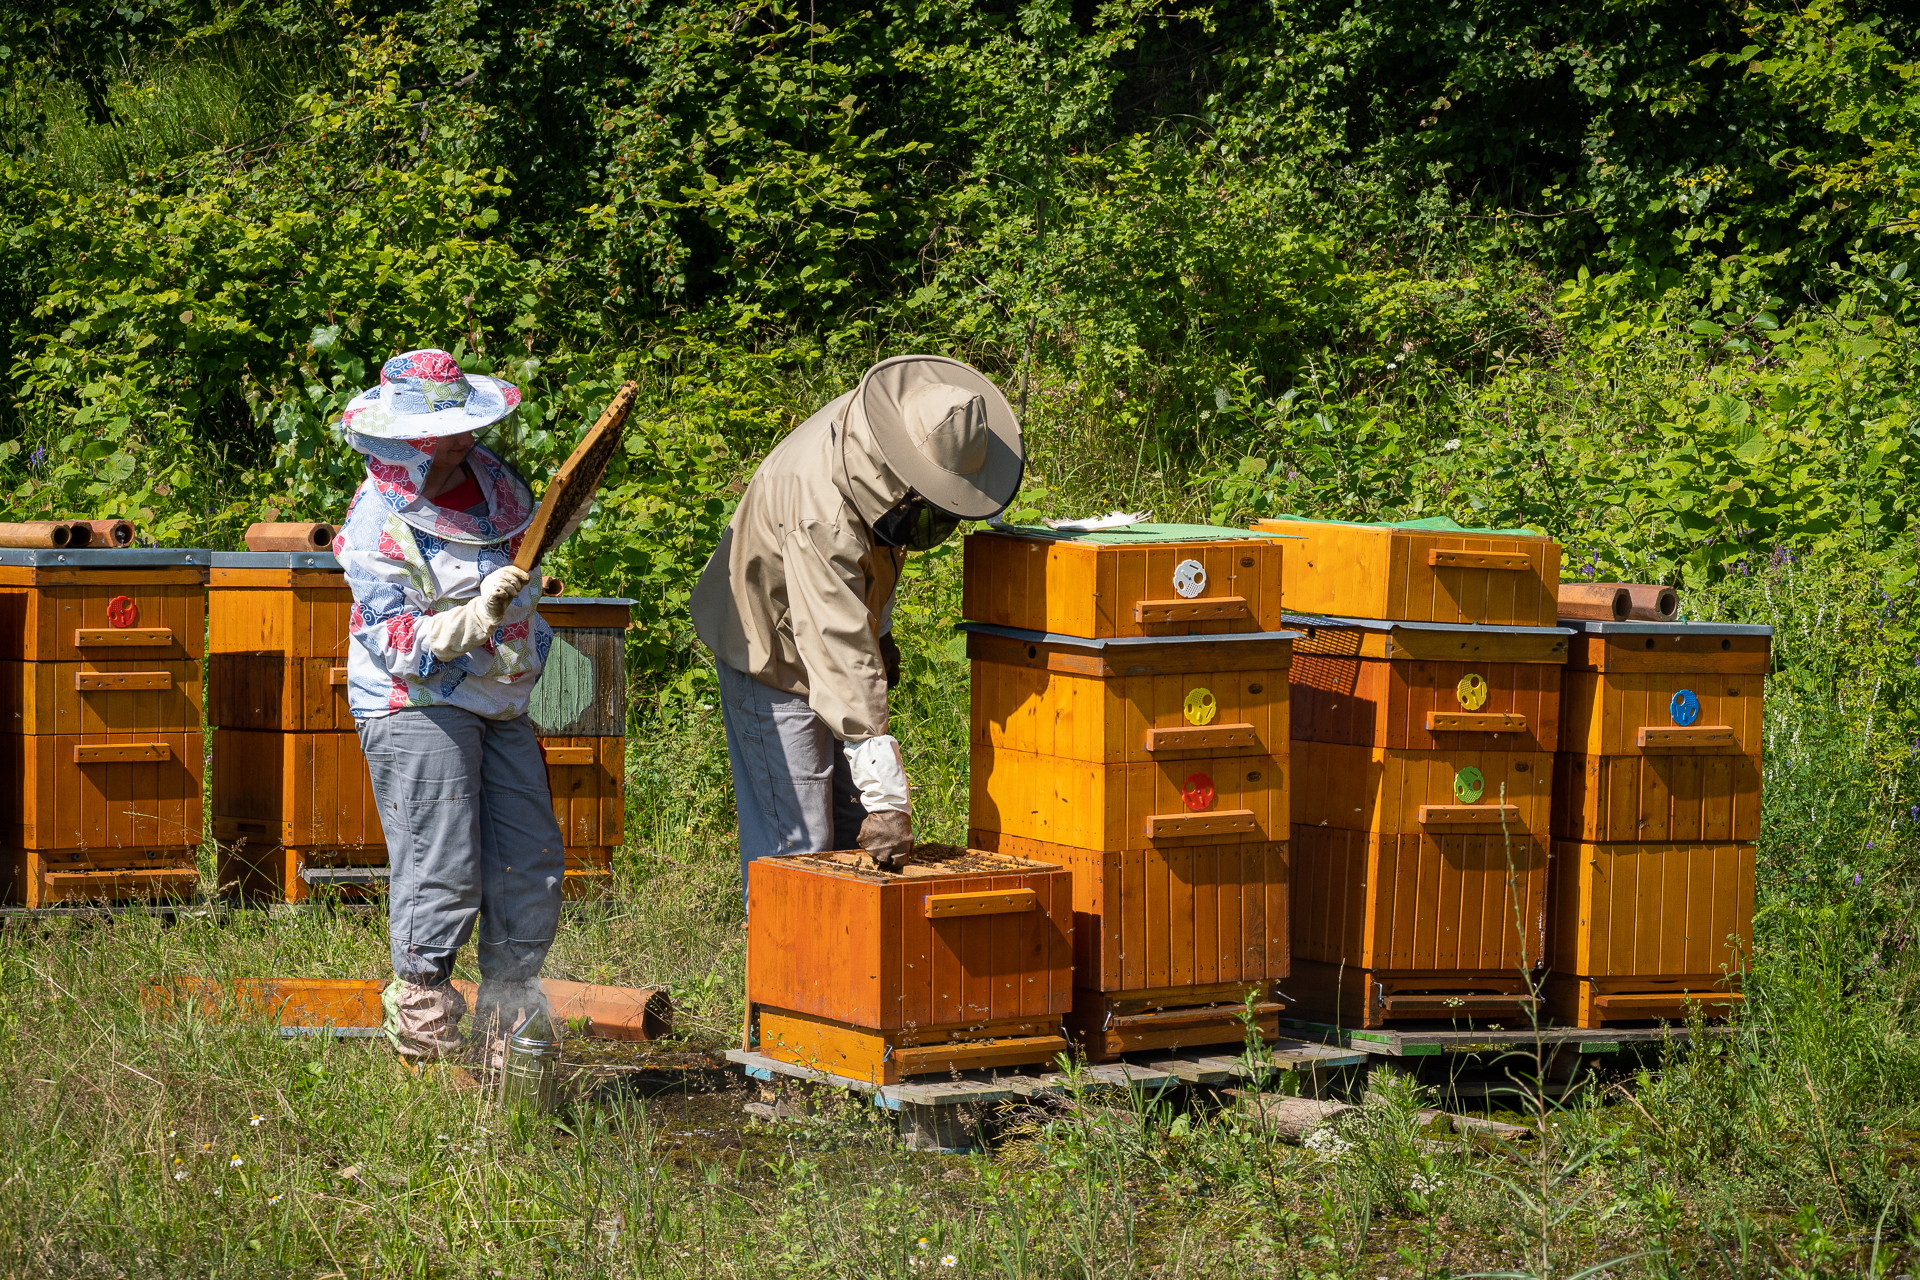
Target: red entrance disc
1199,792
122,612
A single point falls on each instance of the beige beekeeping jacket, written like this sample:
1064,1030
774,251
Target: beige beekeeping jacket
796,593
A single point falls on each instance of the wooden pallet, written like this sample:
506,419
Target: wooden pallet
930,1111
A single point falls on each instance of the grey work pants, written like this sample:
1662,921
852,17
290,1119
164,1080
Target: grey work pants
792,785
470,832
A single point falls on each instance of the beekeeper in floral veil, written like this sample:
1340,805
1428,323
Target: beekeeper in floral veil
444,647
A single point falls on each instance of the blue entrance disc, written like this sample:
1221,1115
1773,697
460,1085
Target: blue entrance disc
1685,708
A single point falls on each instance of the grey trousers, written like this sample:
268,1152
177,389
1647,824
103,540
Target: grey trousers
792,786
470,833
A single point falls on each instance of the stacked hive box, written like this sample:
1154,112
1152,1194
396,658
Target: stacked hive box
580,708
963,962
293,803
1129,721
1656,806
100,675
1425,713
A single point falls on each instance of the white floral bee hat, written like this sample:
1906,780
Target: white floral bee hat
424,393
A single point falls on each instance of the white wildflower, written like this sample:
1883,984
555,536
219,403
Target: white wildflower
1327,1145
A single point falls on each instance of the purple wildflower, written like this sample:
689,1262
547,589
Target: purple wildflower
39,456
1856,875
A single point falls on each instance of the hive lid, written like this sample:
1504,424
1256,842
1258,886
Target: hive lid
1594,627
1118,642
1400,624
274,560
926,862
107,557
1142,533
1433,524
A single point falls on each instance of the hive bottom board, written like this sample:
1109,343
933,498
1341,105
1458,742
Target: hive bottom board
45,877
886,1057
274,875
1368,998
1107,1024
1601,1002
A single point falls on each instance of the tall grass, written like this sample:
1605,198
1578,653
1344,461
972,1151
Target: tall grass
214,96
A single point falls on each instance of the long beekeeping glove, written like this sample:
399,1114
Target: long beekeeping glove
881,775
462,630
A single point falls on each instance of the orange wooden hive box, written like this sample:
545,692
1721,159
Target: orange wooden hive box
100,680
1420,571
1646,930
964,964
1657,802
1422,807
1662,732
293,803
1140,580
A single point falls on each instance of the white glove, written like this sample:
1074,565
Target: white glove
462,630
880,774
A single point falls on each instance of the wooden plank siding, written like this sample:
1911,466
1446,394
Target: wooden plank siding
1651,909
122,696
59,803
46,623
1151,918
1419,902
1606,710
1661,798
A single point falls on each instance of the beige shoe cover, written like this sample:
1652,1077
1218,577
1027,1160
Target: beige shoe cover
423,1022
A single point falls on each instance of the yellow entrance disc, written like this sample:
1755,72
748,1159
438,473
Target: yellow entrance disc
1472,692
1200,707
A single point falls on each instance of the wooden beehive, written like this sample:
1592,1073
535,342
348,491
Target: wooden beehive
288,603
1369,683
1145,580
875,976
100,740
1420,571
582,690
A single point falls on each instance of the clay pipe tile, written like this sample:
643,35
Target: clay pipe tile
289,537
1653,602
37,533
104,533
1598,601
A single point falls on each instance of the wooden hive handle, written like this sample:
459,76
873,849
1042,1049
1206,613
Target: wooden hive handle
1215,737
1666,999
1502,561
1468,815
1692,738
567,755
117,681
122,637
336,675
1216,609
1442,1001
1220,822
1476,722
992,902
121,752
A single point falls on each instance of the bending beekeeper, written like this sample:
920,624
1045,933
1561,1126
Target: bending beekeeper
444,648
797,601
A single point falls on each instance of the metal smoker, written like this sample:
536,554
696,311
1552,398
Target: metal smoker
530,1075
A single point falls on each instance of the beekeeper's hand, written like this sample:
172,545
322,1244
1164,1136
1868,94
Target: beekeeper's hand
458,631
881,775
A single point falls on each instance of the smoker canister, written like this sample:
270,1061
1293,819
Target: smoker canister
530,1076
